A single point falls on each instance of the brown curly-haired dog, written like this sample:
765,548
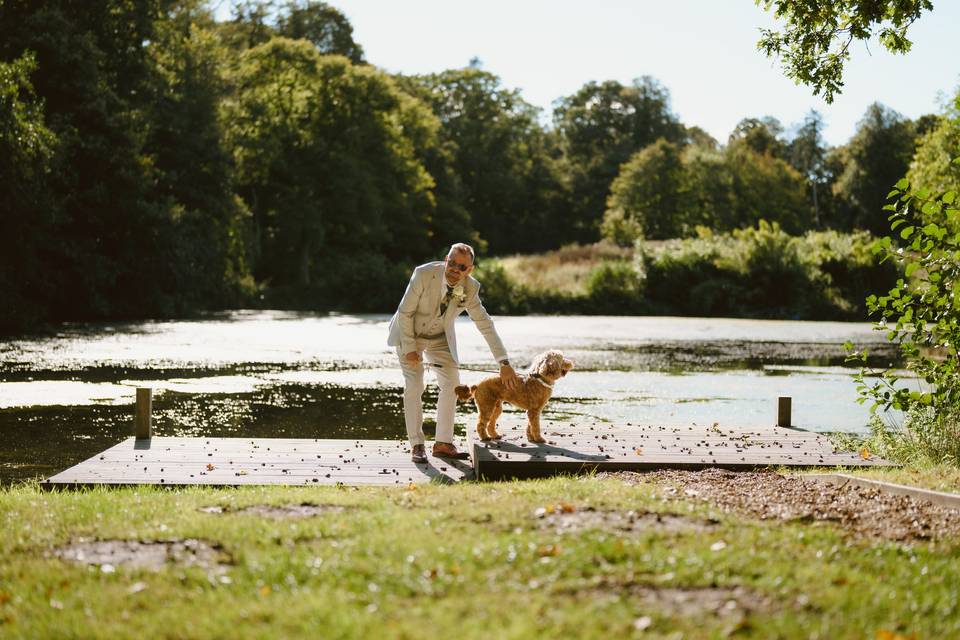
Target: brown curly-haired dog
532,394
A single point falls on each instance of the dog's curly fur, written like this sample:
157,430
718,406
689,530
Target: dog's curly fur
531,395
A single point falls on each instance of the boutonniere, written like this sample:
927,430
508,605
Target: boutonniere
459,294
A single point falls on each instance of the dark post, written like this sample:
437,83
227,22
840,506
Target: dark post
143,423
783,411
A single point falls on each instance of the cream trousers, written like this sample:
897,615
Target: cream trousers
438,352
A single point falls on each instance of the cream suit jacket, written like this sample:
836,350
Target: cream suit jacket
421,305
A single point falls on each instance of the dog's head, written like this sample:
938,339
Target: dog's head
551,365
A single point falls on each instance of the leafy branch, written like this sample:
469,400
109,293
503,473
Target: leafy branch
921,313
816,41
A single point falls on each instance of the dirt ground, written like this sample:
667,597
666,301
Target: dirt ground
768,495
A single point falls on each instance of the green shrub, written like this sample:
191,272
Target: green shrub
500,294
921,312
762,272
850,268
615,288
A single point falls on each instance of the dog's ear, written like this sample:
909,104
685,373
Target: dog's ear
551,365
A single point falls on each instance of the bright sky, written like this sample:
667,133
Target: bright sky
703,51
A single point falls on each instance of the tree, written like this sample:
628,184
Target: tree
807,154
326,163
933,168
816,41
762,135
195,171
500,154
323,25
647,197
114,230
763,187
29,214
600,127
256,21
874,159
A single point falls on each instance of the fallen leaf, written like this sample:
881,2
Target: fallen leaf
642,623
265,590
210,467
567,508
137,587
548,550
883,634
865,453
639,452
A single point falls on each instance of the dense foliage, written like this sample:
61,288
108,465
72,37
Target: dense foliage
757,271
155,162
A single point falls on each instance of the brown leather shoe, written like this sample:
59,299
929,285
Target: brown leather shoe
447,450
418,453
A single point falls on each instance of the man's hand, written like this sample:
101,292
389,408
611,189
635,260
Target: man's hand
413,357
509,377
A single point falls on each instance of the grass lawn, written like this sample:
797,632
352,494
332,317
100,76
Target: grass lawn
565,557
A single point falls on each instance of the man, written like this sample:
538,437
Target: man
423,326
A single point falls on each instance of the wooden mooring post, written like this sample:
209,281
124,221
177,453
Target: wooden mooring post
783,411
143,421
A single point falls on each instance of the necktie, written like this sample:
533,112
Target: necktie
446,301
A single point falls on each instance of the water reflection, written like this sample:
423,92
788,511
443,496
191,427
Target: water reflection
67,396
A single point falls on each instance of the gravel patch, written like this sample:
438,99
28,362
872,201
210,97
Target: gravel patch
768,495
139,554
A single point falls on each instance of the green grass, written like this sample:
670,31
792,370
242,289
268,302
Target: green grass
466,561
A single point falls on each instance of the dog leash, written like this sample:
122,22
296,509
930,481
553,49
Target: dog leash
437,365
536,377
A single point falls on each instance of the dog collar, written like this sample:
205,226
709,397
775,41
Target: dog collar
536,376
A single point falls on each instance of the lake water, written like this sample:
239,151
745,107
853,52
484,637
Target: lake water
66,396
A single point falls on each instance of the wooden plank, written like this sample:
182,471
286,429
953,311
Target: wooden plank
242,461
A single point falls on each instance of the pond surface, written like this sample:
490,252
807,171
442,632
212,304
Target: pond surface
67,396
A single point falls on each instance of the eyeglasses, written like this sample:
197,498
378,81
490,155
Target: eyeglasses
453,264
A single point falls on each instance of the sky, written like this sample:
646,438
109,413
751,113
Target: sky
703,51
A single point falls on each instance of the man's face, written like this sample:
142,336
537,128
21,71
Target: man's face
457,266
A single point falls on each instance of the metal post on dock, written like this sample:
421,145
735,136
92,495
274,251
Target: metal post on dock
143,422
783,411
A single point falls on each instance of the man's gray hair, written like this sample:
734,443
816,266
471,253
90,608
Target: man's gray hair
461,247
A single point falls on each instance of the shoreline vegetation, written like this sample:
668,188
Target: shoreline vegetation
760,272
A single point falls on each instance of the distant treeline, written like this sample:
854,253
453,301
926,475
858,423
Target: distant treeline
155,162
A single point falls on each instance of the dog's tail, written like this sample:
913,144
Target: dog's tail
464,392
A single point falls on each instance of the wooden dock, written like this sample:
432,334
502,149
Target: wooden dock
177,461
607,447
